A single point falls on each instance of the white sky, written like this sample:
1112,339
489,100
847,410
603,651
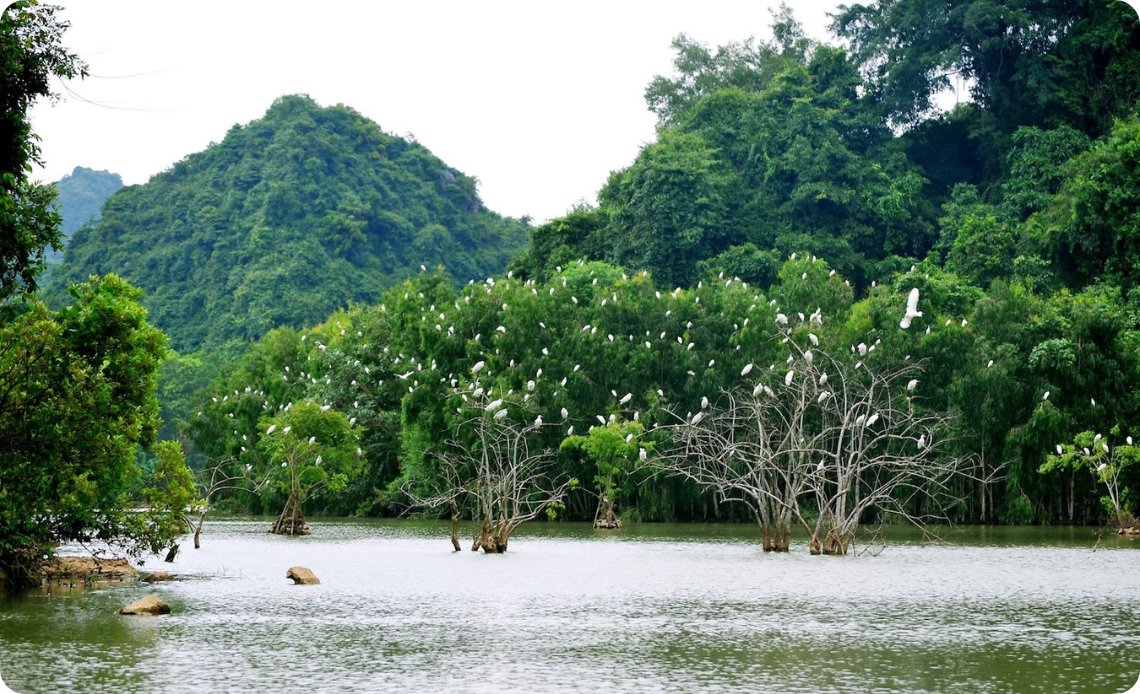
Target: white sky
539,102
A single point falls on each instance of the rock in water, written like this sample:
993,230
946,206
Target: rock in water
147,604
302,576
158,576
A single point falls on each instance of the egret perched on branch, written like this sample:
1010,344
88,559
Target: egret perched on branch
697,418
501,413
625,398
478,367
272,428
781,319
911,384
746,370
704,402
912,311
788,378
641,454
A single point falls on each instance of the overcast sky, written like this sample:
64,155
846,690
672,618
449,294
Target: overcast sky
538,101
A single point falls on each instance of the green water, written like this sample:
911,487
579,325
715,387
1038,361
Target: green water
652,608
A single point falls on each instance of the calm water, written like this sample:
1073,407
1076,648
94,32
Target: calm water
653,608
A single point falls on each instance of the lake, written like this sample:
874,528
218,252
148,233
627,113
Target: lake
651,608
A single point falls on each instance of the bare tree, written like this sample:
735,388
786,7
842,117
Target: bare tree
224,475
491,467
823,442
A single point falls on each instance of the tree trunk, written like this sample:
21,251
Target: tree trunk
455,527
290,522
198,530
605,518
171,554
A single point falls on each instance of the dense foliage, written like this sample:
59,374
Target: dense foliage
287,219
76,401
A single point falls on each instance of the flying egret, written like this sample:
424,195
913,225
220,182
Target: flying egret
912,311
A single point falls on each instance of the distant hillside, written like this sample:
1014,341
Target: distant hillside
287,219
80,195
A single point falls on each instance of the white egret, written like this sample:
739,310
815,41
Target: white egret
570,431
312,440
478,367
912,311
823,396
641,454
814,339
922,442
501,413
788,378
990,364
601,419
1046,396
1060,450
823,379
493,405
862,349
781,319
625,398
872,419
697,418
809,357
757,389
538,421
272,428
911,384
1093,401
746,370
704,402
1129,440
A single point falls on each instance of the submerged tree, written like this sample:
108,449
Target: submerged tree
1106,462
824,443
310,449
615,448
494,464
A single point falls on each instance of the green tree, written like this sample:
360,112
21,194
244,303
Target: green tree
30,55
615,449
76,401
310,449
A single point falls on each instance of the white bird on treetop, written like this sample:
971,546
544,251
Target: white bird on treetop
781,319
912,311
625,398
601,419
1059,449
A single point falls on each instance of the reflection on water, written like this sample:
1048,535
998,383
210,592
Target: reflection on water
650,608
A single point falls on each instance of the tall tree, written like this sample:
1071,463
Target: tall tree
30,55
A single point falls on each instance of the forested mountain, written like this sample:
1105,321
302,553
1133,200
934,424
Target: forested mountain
79,195
287,219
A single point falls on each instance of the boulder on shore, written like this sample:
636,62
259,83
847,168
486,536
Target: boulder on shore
146,605
158,576
64,568
302,576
